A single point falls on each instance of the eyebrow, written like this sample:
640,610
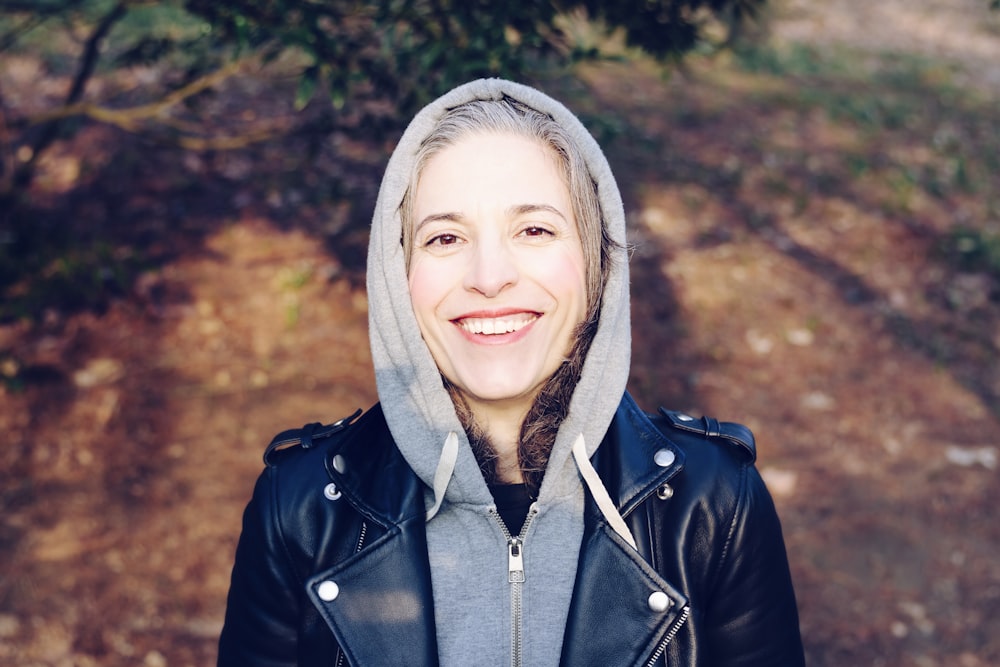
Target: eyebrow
524,209
512,211
434,217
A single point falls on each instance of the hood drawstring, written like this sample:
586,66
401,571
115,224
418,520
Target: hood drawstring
449,457
442,475
600,494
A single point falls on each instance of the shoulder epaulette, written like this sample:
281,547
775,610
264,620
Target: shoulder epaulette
737,434
306,436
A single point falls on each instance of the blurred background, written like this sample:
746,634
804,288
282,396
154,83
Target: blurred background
185,189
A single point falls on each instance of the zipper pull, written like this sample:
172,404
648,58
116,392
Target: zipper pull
515,560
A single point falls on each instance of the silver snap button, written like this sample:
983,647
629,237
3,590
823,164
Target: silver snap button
664,458
329,590
665,492
339,464
684,418
658,602
331,492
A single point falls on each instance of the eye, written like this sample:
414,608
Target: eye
535,230
442,240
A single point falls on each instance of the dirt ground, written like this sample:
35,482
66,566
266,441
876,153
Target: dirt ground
866,366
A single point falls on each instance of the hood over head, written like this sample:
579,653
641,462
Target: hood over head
417,407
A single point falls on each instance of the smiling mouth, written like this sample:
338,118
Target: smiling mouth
496,326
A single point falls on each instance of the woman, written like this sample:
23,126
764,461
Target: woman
506,502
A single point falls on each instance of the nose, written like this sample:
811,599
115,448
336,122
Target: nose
492,268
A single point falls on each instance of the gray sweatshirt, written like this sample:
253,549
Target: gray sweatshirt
482,608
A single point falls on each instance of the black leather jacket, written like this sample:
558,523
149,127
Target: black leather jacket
339,504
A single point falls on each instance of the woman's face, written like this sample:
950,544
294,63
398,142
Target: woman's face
497,275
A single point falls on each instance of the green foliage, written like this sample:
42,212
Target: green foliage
406,52
53,274
668,29
160,32
973,250
376,62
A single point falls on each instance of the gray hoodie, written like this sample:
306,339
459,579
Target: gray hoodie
476,605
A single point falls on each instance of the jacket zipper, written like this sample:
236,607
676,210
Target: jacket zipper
339,662
361,537
671,633
515,576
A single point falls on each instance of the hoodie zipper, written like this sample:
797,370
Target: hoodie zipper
515,577
674,629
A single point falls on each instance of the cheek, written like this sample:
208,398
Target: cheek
566,276
426,290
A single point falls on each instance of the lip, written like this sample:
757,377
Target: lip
479,326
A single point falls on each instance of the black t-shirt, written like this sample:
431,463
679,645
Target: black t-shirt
513,502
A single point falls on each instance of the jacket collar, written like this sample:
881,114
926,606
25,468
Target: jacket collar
635,458
373,474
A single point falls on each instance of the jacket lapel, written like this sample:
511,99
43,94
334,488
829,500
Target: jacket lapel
377,602
614,618
622,609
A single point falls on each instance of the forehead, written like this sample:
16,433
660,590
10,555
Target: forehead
488,167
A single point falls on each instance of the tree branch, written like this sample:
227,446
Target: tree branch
128,118
92,51
88,61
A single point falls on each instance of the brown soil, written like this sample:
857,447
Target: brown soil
866,367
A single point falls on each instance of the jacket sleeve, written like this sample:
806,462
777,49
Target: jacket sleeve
262,611
753,618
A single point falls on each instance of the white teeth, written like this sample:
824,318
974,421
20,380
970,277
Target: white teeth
491,326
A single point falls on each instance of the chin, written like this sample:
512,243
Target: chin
500,393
